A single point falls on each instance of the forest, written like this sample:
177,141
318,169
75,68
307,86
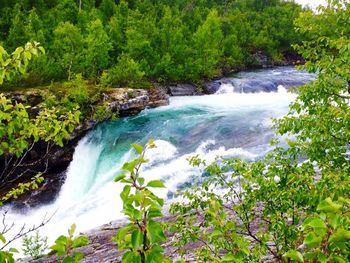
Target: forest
123,43
291,205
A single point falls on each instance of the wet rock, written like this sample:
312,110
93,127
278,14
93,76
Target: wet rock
254,86
183,90
291,83
211,87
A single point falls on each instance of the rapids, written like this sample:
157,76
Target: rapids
227,123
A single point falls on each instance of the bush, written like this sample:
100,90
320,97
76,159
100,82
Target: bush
34,246
126,72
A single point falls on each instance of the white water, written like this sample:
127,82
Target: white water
225,124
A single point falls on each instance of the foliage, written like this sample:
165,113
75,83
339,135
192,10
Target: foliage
65,245
103,112
293,204
18,60
154,40
142,236
68,44
77,93
18,130
6,256
97,50
326,234
125,73
22,188
34,246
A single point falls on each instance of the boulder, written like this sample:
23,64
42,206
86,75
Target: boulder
158,97
211,87
127,101
254,86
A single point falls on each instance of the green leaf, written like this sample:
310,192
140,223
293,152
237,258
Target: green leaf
156,183
315,223
81,241
328,206
68,259
119,177
312,240
154,212
125,193
136,238
130,166
232,258
294,255
138,148
78,256
339,259
156,232
13,250
72,230
2,238
341,235
128,257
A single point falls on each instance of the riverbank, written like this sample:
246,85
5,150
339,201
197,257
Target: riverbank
125,102
226,124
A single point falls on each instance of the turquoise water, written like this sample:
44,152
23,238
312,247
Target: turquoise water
225,124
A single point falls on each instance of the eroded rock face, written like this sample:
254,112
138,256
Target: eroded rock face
55,161
127,101
158,97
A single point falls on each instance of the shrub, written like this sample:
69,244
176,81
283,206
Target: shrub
34,246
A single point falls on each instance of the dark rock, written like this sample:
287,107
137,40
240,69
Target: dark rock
254,86
183,90
263,60
291,83
211,87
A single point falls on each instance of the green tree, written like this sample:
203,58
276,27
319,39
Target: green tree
126,72
17,35
68,48
207,46
96,56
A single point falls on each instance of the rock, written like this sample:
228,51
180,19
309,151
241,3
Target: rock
102,249
263,60
54,160
183,90
211,87
127,101
291,83
254,86
30,97
158,97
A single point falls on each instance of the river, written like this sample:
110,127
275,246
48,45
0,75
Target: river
227,123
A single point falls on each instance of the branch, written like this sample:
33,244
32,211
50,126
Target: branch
22,232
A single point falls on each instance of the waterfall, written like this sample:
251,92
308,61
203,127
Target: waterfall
228,123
